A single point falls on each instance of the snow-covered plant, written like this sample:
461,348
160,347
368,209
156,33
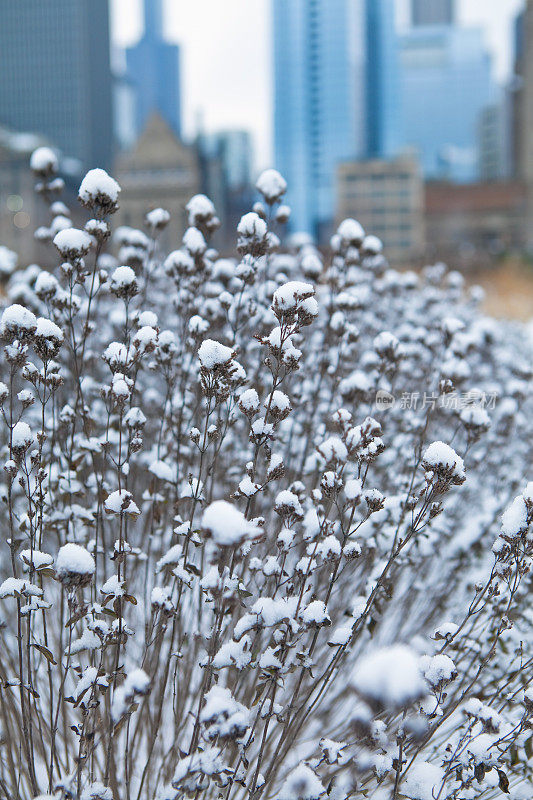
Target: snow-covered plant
267,526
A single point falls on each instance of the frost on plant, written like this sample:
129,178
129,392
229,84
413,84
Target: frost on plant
228,570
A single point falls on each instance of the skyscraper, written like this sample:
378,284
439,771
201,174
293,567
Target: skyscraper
153,66
318,100
336,95
235,150
381,82
494,139
516,89
523,116
446,83
55,78
433,12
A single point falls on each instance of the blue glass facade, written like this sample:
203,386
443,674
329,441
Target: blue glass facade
336,95
433,12
316,115
153,67
446,83
55,76
382,80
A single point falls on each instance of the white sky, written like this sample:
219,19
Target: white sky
226,65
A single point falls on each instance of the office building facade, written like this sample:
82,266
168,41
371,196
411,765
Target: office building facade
446,84
153,67
56,75
382,80
336,96
316,99
433,12
387,198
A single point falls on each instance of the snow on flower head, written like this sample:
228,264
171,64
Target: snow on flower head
96,791
252,226
74,565
228,526
222,716
72,243
252,235
46,329
157,219
21,437
514,518
17,322
288,505
423,781
121,502
283,214
372,246
46,797
12,587
442,459
99,191
214,354
272,185
356,386
48,338
301,784
46,286
200,209
289,297
44,162
8,261
124,282
311,263
137,683
438,670
162,471
389,677
351,232
333,450
194,242
179,262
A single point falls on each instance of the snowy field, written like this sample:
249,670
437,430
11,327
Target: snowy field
267,519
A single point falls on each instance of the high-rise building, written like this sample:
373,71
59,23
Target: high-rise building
387,197
433,12
153,66
516,89
446,82
318,100
494,145
55,76
336,96
524,111
382,80
234,148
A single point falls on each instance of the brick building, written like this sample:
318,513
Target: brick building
466,223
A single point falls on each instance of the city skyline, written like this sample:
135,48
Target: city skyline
446,86
196,27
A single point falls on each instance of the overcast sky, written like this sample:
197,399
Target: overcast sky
226,56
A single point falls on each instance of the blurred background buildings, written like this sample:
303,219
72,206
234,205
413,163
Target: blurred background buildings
433,12
403,127
153,67
318,104
55,76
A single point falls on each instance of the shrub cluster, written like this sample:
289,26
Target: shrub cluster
266,527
